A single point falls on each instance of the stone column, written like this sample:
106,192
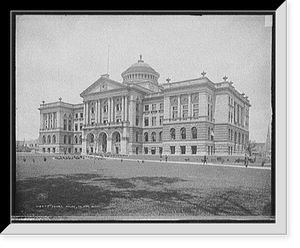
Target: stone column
59,119
123,142
126,108
109,143
109,109
189,105
123,110
112,110
96,112
41,120
84,112
179,105
48,120
99,111
131,111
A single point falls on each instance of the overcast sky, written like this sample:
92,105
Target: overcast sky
61,55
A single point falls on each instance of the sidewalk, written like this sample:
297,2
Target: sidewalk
189,163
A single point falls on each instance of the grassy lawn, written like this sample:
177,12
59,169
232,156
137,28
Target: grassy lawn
111,189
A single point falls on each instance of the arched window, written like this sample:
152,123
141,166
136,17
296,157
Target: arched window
183,133
160,136
194,133
91,138
172,133
118,137
70,125
146,137
53,139
49,139
153,137
44,139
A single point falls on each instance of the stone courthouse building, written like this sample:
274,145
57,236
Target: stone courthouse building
142,116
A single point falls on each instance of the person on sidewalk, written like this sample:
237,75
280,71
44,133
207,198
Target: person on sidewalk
205,160
246,161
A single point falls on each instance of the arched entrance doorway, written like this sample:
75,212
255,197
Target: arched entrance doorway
116,142
102,142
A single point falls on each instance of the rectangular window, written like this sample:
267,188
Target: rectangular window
76,116
136,120
185,111
182,149
118,119
172,149
153,121
80,126
153,106
105,120
153,150
76,127
194,149
145,150
195,110
161,119
146,122
161,106
81,115
147,107
174,112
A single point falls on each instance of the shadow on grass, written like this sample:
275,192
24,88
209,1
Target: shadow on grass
74,195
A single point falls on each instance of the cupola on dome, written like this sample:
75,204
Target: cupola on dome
140,72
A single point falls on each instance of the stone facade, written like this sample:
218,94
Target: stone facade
141,116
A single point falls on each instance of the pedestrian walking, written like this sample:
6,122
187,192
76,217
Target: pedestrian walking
166,157
246,161
263,161
160,157
205,160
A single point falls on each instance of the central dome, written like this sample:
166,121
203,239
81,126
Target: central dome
140,72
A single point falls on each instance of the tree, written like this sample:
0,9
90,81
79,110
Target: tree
249,147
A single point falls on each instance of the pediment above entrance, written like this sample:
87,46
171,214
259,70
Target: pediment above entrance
101,85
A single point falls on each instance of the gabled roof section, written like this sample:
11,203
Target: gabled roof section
102,84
